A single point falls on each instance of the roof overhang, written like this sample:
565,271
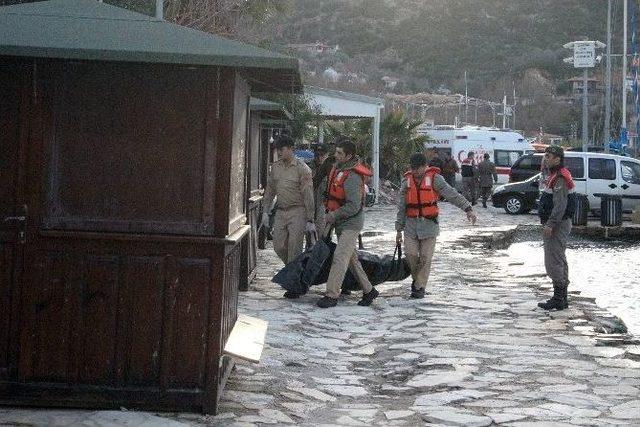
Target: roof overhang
339,105
93,31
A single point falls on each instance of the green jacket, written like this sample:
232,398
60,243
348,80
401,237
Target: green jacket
423,228
349,216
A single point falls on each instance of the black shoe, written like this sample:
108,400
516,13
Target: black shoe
368,298
291,295
556,302
417,293
326,302
345,292
484,205
413,286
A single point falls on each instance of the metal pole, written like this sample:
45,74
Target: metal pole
466,99
624,67
607,93
159,9
376,151
585,110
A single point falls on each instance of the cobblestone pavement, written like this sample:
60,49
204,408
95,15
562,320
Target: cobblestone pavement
475,352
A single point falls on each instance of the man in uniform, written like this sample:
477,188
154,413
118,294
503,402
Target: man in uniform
417,217
469,172
487,176
290,181
556,207
323,162
345,203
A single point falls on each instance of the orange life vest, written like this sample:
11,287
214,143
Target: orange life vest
421,199
336,196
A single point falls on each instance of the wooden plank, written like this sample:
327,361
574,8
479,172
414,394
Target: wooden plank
247,338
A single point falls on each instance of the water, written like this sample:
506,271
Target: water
606,271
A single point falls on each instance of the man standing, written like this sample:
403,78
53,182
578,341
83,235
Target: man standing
449,170
290,181
469,172
417,217
556,207
323,163
486,171
344,203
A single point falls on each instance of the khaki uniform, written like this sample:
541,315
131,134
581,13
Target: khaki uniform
555,259
291,183
349,220
487,175
469,182
420,233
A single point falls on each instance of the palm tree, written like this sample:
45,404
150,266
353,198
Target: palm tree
399,140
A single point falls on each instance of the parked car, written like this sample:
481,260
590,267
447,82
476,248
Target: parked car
517,197
595,174
525,167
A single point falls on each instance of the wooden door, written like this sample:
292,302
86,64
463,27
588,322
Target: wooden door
12,213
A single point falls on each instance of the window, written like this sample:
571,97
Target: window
575,166
602,169
630,172
505,158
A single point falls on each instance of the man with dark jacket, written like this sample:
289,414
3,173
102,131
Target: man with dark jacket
449,170
323,162
486,171
556,207
469,172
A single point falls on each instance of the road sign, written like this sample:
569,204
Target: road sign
584,54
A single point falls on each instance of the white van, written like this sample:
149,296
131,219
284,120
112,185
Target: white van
596,174
503,145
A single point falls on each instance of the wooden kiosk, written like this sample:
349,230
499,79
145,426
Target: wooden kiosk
122,204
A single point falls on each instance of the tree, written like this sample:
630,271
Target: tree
399,140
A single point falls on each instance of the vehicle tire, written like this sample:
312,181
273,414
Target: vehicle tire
514,205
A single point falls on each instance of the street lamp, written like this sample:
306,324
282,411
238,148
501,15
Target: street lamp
584,56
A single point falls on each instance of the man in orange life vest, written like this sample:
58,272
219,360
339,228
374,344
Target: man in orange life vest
344,200
556,208
418,217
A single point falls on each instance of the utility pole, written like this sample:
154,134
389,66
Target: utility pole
513,111
584,56
160,9
466,99
623,125
504,112
607,90
585,110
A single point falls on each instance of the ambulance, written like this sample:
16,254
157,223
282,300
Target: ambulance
504,146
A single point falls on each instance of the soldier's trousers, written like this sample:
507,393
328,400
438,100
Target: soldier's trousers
485,193
555,260
344,257
419,253
288,233
469,189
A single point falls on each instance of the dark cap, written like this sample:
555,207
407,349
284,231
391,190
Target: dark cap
471,154
556,150
284,141
417,160
321,149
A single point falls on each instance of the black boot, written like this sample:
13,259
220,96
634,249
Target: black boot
291,295
556,302
368,298
326,302
417,293
565,298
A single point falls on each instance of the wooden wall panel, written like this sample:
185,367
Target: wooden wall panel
140,320
185,323
50,312
7,254
98,292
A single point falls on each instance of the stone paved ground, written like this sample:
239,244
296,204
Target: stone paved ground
475,352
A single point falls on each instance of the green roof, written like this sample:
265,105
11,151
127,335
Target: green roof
270,108
89,30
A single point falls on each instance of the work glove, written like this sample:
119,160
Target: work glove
311,227
265,220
